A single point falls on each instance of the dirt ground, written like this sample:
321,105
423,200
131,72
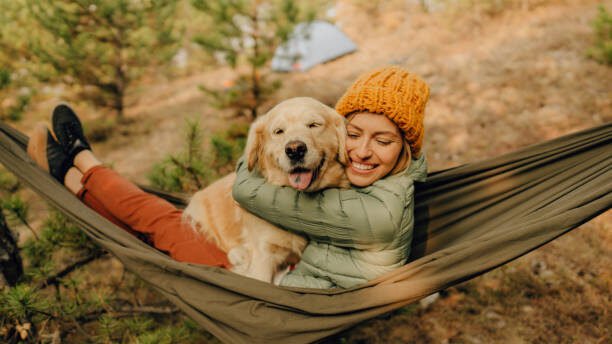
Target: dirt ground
499,81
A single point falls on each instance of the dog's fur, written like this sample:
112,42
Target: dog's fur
255,247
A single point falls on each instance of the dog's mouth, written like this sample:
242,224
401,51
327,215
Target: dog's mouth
301,178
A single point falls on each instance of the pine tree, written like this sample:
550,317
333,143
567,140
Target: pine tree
245,33
102,46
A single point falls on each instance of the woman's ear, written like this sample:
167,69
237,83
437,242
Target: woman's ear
341,135
254,145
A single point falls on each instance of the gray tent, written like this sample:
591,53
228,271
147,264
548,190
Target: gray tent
311,44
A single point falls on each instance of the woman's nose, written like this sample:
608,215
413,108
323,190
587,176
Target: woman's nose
363,150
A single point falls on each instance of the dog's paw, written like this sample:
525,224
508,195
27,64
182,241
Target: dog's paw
195,213
279,275
239,257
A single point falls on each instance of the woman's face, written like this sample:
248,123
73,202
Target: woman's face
373,144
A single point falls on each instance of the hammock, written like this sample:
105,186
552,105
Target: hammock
470,219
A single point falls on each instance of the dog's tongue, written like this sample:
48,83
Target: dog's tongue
300,180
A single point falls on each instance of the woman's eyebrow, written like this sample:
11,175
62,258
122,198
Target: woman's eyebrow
381,132
385,132
352,126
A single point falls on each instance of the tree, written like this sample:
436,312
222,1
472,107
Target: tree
102,46
245,34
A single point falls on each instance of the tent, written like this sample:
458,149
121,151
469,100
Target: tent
311,44
469,220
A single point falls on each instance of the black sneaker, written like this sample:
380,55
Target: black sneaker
68,130
48,154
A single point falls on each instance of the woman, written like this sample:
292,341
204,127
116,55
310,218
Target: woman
361,233
355,234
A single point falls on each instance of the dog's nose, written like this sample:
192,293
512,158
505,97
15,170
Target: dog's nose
296,150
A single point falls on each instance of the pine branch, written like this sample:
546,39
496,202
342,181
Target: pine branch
189,170
103,22
127,311
55,279
25,222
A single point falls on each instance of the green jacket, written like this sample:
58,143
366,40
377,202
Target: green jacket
355,234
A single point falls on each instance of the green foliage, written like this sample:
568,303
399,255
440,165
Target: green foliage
194,168
8,182
116,330
11,203
21,308
16,99
101,47
165,335
16,207
16,110
602,48
5,78
144,330
185,171
23,303
228,146
57,233
15,78
245,35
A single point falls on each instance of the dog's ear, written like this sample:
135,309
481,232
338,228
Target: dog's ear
254,144
340,123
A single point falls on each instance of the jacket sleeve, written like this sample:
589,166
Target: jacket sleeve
356,217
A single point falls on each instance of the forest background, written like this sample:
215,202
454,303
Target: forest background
167,90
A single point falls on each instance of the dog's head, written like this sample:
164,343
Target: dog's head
300,142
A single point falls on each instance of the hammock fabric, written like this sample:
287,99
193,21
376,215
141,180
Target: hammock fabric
470,219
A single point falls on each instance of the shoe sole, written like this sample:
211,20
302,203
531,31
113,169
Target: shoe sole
37,146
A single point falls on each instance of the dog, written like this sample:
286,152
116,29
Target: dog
298,143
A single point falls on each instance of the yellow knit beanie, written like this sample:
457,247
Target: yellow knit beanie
395,93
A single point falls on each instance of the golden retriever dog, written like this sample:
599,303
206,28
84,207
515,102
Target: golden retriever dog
298,143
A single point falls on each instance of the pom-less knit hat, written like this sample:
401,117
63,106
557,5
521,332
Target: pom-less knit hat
395,93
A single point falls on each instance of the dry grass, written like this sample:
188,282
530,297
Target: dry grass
499,82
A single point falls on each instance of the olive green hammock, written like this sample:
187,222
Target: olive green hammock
470,219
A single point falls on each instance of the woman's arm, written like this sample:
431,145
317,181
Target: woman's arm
357,217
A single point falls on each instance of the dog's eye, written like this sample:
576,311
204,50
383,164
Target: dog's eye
278,131
314,125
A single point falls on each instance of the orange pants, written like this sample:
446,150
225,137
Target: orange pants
138,212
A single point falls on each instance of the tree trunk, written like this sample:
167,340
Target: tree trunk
11,265
119,105
121,78
255,87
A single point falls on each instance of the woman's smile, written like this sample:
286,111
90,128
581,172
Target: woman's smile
361,167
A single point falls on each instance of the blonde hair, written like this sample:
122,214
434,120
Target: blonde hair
403,161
